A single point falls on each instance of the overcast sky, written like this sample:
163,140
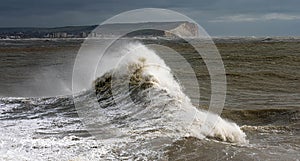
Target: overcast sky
218,17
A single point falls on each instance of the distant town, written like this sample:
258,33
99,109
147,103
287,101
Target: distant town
58,32
21,35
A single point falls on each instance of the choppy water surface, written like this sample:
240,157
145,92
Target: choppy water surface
263,97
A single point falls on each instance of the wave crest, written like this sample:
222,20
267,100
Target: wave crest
142,96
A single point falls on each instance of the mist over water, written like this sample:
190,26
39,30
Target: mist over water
37,68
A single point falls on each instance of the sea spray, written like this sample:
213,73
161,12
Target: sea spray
141,97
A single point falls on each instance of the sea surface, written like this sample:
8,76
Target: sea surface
141,111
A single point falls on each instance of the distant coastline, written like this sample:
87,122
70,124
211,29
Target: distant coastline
147,29
221,39
168,30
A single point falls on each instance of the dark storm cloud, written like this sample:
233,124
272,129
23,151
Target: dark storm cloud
206,12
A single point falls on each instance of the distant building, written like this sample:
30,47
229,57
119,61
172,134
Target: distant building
59,35
47,36
83,35
63,35
93,34
14,37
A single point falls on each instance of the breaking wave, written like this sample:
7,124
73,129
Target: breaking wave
141,97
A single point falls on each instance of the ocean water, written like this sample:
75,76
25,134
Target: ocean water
143,112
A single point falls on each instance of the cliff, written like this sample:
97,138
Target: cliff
149,29
185,29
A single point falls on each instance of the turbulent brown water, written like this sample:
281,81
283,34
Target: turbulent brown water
263,97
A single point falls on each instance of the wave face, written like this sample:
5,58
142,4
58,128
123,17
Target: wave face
141,97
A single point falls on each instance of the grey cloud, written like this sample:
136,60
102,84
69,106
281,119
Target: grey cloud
251,18
82,12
